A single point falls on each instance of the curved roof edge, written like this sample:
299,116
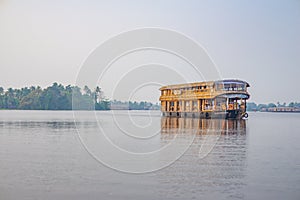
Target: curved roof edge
178,86
233,81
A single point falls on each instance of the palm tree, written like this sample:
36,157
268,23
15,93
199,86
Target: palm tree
98,92
11,101
87,90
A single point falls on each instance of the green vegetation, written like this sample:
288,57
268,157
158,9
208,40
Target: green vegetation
55,97
59,97
143,105
251,106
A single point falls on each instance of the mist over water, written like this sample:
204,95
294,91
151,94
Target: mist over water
41,157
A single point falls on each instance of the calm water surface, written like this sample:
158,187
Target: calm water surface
41,157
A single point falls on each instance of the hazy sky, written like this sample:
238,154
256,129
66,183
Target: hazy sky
258,41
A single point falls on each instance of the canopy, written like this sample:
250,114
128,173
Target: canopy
235,96
233,81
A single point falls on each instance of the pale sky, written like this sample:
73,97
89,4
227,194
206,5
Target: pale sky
42,42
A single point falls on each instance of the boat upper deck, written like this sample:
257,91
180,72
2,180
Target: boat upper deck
206,90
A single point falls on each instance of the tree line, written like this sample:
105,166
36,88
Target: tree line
129,105
60,97
251,106
54,97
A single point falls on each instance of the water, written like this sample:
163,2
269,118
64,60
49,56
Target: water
42,157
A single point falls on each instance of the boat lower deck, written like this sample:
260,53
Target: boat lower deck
227,114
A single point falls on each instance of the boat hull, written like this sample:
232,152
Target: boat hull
228,114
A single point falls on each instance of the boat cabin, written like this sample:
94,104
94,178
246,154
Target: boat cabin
211,99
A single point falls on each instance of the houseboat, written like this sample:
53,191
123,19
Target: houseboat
211,99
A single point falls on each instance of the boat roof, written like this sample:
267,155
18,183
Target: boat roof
204,83
233,81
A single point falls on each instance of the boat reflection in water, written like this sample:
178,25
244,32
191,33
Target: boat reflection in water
203,126
215,163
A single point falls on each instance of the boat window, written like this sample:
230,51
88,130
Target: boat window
219,86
